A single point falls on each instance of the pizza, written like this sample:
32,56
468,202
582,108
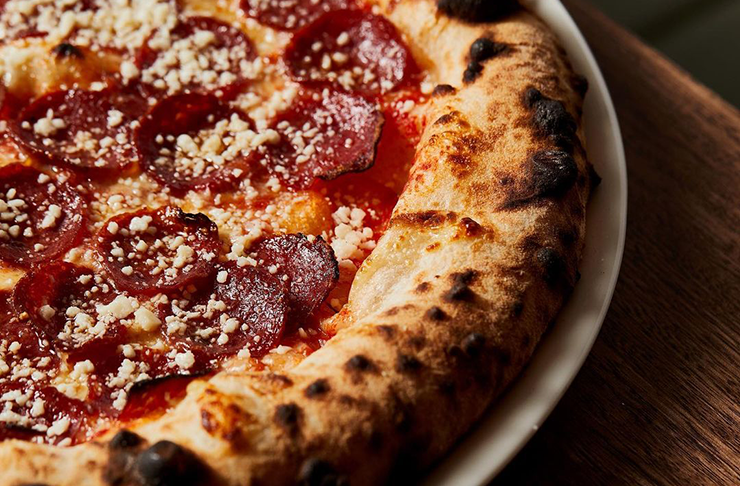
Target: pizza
274,241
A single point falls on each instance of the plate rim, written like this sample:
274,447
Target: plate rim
449,471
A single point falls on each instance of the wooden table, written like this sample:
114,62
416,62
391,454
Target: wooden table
658,400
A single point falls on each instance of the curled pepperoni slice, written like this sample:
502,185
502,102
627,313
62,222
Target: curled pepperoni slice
325,136
247,309
84,130
355,50
161,250
309,268
68,306
40,218
213,57
290,14
191,141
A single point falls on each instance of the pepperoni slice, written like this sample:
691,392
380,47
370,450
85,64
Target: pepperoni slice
40,218
290,14
153,251
309,268
354,50
192,141
46,413
325,136
212,56
246,310
18,22
84,130
68,306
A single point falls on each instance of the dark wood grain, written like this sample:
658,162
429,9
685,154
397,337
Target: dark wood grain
658,400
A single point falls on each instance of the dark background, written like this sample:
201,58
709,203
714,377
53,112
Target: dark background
702,36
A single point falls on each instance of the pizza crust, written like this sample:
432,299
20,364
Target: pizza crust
442,316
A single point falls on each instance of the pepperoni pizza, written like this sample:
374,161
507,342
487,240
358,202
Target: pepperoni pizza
274,241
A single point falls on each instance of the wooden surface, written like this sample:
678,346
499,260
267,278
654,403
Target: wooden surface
658,400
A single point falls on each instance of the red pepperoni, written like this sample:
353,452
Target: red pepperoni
40,218
64,302
153,251
72,414
290,14
310,267
221,63
354,50
195,165
324,137
14,329
88,131
249,307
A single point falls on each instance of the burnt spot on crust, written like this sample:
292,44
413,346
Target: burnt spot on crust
359,363
407,364
579,83
481,50
443,90
547,173
287,415
65,50
278,379
553,172
477,10
473,344
552,264
123,448
517,308
318,388
428,219
436,314
460,289
167,463
125,439
472,72
317,472
550,118
593,176
387,331
423,288
453,117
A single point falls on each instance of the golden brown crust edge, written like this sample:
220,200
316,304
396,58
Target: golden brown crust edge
480,255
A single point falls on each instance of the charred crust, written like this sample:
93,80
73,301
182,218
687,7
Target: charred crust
553,172
387,331
317,472
447,387
579,83
423,288
460,289
359,363
548,173
483,49
477,10
286,415
473,344
125,439
593,176
550,118
425,218
166,463
443,90
436,314
517,308
472,72
551,263
318,388
65,50
407,364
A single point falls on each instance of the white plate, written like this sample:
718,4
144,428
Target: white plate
511,422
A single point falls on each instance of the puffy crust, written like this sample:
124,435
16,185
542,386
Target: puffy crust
481,252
